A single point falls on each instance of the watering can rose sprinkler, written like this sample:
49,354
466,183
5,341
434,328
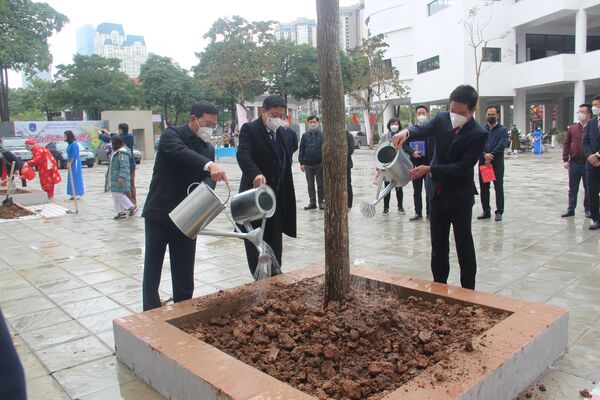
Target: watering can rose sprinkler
202,205
395,165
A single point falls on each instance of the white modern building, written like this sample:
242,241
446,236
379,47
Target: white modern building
543,53
109,40
300,31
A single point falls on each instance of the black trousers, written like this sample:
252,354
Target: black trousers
12,377
349,187
182,251
577,173
441,219
273,236
593,189
498,189
417,196
399,197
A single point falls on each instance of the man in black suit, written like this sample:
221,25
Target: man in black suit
493,154
458,143
265,158
591,148
185,156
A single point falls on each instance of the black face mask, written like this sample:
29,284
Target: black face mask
491,120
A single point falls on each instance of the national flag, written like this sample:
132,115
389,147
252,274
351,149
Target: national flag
354,119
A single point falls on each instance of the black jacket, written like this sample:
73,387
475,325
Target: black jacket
311,148
180,161
7,160
454,157
496,143
350,138
256,155
292,138
591,143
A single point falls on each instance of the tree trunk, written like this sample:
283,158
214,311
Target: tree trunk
4,111
335,153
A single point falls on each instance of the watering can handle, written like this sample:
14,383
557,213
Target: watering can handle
226,184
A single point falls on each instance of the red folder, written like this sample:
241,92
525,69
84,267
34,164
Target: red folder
487,173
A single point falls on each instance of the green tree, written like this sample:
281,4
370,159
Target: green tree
233,64
24,29
373,79
293,70
94,84
38,99
167,87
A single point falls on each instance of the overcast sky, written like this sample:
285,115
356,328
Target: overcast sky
171,28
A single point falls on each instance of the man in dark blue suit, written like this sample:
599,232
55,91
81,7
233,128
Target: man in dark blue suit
493,154
458,144
591,148
185,156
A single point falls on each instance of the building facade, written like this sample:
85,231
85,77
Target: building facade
301,31
538,53
109,40
352,26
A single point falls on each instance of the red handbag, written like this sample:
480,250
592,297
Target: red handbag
487,173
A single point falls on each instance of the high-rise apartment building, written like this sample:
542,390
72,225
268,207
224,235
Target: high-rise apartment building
301,31
109,40
352,26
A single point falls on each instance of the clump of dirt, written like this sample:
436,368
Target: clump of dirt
363,348
12,211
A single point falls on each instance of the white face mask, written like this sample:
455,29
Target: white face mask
204,133
421,119
273,123
581,117
313,127
284,124
596,110
457,120
394,128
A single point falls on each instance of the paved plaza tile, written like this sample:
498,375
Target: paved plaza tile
63,280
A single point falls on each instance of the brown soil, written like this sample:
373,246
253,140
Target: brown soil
12,211
361,349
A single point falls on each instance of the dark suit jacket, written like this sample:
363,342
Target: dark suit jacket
454,157
350,140
256,155
180,161
591,143
496,143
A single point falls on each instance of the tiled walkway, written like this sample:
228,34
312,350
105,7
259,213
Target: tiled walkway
62,281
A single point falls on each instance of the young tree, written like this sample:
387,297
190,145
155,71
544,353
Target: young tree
337,259
476,25
25,27
373,79
94,84
167,87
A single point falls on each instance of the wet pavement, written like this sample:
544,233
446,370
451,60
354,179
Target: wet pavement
62,281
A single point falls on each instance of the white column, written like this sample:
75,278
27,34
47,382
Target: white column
578,98
520,111
581,32
388,113
502,112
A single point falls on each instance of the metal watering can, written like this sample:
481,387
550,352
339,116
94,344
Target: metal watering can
203,205
395,165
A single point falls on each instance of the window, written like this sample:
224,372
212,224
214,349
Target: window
429,64
386,64
437,5
540,46
491,54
